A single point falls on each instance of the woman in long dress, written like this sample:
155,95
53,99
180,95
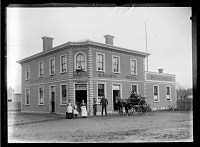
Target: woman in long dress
83,110
70,111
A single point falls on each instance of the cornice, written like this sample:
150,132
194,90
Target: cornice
80,44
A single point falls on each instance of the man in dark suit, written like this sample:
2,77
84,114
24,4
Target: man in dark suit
104,103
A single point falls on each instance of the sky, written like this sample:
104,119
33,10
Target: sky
168,32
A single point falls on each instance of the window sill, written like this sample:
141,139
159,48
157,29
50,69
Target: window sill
52,74
156,102
27,79
63,72
40,104
116,72
27,104
102,71
41,77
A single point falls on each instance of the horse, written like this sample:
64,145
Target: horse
120,104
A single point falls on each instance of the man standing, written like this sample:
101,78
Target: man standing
104,103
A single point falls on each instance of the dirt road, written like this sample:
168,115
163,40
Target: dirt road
164,126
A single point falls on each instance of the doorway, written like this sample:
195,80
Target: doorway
52,99
80,95
115,93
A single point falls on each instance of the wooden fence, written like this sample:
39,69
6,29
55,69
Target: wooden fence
185,104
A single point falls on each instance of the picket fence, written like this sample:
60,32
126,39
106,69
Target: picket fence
185,104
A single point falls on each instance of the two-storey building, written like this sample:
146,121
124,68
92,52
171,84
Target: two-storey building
87,70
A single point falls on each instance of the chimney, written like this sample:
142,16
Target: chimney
47,43
109,39
160,70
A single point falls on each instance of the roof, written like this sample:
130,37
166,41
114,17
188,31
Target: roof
165,74
84,42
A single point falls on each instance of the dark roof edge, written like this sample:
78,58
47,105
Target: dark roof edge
84,43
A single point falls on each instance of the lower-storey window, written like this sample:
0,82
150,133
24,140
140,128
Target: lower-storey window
155,93
27,96
134,88
41,95
168,97
63,94
101,92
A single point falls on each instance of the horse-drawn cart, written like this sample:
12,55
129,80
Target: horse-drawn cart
132,105
136,105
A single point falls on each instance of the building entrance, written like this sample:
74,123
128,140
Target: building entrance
80,93
115,93
52,101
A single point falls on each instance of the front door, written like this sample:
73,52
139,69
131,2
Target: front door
115,93
80,93
52,96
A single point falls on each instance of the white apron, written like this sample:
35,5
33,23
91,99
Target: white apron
83,111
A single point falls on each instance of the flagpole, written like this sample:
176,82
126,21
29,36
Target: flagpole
146,43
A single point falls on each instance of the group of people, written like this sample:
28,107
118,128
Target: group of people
72,110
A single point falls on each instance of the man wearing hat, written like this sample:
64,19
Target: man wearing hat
104,103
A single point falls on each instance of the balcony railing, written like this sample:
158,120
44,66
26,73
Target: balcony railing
80,73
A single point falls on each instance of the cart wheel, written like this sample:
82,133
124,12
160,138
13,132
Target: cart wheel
141,111
142,107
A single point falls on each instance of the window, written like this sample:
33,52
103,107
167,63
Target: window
41,69
168,97
100,62
41,96
63,94
134,88
155,93
52,66
133,66
116,64
27,72
101,91
63,63
80,61
27,96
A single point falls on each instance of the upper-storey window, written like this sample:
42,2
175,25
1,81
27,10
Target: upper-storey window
52,66
63,63
27,72
116,64
80,61
41,69
133,66
100,62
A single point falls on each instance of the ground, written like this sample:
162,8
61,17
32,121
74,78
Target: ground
160,126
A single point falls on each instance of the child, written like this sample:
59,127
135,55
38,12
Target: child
75,111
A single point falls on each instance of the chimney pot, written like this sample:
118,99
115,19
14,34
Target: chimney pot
160,70
109,39
47,43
